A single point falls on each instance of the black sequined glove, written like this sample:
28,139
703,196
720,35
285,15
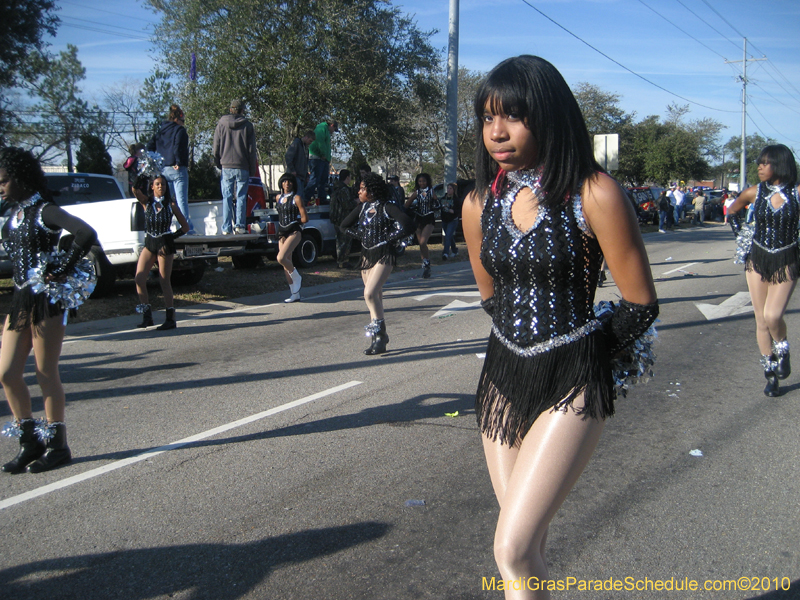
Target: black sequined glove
177,234
736,222
74,254
628,322
488,305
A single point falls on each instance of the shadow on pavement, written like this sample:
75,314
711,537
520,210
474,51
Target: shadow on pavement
219,571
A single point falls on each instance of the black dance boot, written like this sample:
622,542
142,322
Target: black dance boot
768,362
169,323
30,447
147,315
379,337
57,452
781,352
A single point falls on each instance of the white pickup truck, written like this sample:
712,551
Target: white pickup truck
100,201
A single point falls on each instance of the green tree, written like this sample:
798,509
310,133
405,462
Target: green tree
22,29
62,115
92,155
733,150
295,62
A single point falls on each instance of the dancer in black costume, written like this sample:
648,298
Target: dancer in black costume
34,323
159,245
772,261
424,204
291,216
378,224
537,227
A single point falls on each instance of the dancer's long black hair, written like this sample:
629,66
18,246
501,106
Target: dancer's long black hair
533,88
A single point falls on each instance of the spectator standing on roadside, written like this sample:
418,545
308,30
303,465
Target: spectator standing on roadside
132,165
663,209
172,143
727,200
699,207
451,210
398,194
297,161
319,161
235,154
342,204
679,193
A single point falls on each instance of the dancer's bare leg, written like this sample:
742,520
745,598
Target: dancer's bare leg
374,279
531,482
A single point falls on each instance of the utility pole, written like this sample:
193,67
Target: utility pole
743,153
451,136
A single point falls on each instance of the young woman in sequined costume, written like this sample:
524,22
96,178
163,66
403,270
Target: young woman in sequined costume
423,203
537,227
159,245
378,224
773,261
291,216
34,323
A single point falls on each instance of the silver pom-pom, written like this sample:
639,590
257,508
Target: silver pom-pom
744,241
70,293
151,164
44,430
11,429
634,364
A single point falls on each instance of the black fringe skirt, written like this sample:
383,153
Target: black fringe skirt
514,390
161,246
422,221
385,254
774,267
29,309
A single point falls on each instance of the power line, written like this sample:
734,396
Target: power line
678,27
774,98
113,33
707,23
136,31
616,62
751,103
723,18
107,11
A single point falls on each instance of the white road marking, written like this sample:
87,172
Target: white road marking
455,306
679,269
738,304
52,487
466,293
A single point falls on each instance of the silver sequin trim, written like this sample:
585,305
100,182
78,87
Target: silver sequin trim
556,342
774,250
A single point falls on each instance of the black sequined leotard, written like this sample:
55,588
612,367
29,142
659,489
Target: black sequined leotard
775,254
424,206
546,346
378,226
288,216
25,235
157,222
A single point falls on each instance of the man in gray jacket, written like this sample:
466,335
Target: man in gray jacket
235,154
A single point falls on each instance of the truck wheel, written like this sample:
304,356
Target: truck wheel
188,276
105,273
246,261
305,255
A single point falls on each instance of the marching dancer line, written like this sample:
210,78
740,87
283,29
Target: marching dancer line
69,481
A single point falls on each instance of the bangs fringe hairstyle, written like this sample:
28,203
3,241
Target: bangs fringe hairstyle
23,167
376,187
533,89
291,179
781,159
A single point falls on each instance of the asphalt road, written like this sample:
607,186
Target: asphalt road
257,453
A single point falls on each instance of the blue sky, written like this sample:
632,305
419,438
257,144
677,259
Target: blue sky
680,51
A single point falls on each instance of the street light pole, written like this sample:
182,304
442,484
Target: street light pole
451,136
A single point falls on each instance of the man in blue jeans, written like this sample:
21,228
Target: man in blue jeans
319,161
172,143
235,153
